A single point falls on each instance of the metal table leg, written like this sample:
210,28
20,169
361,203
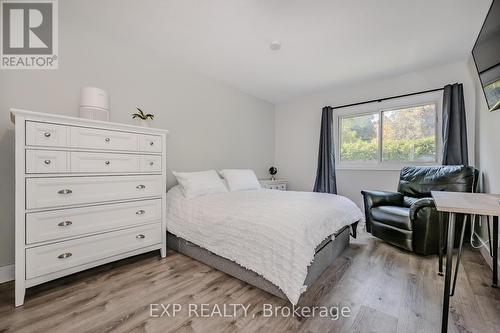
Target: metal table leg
459,255
495,252
447,278
489,235
440,250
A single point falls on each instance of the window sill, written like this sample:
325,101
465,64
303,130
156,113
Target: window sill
380,167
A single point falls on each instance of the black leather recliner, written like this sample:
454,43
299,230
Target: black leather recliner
408,218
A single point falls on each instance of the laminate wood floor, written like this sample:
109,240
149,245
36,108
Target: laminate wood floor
386,289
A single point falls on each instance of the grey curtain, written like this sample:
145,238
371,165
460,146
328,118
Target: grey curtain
454,126
325,174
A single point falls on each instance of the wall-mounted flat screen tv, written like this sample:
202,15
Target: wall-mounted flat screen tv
486,53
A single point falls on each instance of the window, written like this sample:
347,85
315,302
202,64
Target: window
396,135
359,138
409,134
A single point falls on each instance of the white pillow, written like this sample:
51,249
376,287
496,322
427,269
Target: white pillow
240,179
195,184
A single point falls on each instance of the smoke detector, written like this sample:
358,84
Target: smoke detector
275,45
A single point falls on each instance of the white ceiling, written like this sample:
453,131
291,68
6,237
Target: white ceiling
324,42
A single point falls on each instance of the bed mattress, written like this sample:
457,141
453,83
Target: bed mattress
272,233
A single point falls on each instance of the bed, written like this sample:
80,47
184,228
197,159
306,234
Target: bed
278,241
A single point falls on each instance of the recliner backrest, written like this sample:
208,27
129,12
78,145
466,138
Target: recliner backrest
418,182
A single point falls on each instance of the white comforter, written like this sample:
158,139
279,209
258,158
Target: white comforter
273,233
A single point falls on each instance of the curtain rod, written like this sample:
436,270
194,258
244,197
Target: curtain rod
378,100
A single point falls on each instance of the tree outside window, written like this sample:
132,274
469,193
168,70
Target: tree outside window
407,135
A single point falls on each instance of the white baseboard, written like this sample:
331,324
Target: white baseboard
485,252
6,273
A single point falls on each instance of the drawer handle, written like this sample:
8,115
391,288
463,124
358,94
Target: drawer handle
140,212
151,163
47,162
47,134
151,143
140,236
65,255
65,191
65,223
107,162
107,139
140,187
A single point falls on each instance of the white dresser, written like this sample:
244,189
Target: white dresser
277,184
87,193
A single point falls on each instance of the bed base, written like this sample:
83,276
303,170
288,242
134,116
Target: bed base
326,253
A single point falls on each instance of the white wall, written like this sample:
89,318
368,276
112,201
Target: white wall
487,148
212,125
298,126
487,138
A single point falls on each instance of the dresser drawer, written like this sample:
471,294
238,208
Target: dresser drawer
54,225
150,143
82,137
281,186
46,161
61,191
44,134
150,163
51,258
104,162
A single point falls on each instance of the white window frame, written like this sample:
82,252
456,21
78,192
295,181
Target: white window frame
378,108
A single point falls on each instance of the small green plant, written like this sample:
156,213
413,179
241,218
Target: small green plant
142,115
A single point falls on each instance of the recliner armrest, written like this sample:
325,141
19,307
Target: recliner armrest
380,198
419,204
